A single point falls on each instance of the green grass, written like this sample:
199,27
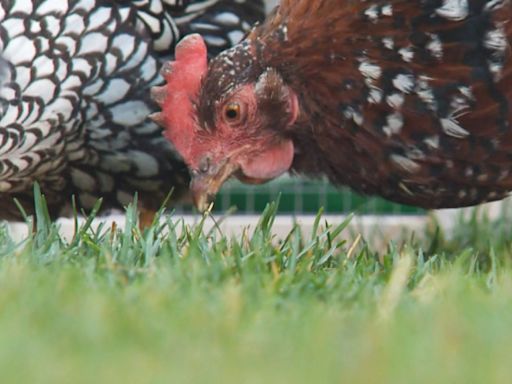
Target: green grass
175,305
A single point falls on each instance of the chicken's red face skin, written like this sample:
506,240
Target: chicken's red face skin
232,135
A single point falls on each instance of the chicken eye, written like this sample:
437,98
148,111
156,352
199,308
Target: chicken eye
232,112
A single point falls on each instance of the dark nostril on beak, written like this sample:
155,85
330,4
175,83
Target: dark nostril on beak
204,165
207,179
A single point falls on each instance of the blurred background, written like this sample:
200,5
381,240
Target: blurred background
272,3
302,196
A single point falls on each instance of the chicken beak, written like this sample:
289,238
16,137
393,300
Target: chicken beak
205,186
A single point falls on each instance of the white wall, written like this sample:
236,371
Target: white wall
271,4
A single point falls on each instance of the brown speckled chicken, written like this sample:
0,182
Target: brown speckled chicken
407,99
75,79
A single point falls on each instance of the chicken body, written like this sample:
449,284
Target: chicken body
75,77
407,99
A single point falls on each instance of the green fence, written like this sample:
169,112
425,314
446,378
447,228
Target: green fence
302,196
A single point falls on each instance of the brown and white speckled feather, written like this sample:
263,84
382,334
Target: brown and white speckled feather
411,100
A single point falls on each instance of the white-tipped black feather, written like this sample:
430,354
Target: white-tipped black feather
75,80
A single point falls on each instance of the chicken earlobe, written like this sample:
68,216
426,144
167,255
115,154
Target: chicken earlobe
268,165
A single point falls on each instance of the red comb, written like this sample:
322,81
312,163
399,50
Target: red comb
183,77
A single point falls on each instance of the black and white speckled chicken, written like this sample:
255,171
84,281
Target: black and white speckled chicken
75,77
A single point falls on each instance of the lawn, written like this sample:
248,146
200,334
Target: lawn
175,305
